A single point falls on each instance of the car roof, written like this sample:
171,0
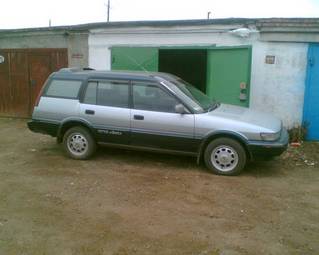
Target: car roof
87,73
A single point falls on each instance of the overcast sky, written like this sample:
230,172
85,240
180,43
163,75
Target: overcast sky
36,13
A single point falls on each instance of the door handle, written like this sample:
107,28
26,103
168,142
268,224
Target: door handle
138,117
89,112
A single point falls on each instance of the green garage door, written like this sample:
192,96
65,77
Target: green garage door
135,58
228,75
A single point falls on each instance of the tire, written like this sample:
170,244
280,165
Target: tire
225,156
78,143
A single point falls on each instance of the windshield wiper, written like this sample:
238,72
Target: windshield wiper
213,106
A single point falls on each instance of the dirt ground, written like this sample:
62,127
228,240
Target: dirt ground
124,202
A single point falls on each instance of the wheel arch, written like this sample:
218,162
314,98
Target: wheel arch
69,123
226,134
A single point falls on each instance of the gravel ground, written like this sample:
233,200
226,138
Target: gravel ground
123,202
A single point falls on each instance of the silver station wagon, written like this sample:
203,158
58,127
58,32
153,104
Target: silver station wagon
155,112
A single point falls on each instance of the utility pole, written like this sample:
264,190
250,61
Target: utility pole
108,10
208,15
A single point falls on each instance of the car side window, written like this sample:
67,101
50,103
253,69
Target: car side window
107,93
90,94
152,98
63,88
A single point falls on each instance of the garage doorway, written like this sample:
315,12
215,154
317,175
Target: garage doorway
189,64
223,73
22,75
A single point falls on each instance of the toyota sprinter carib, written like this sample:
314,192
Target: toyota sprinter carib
155,112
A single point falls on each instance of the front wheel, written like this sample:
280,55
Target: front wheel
78,143
225,156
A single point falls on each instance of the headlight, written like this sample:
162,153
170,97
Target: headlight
270,136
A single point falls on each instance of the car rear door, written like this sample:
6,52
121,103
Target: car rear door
105,106
154,122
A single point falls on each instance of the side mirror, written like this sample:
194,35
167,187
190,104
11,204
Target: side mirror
179,108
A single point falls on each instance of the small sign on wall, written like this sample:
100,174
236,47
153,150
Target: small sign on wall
2,59
77,55
270,59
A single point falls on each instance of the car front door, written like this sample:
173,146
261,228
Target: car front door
154,122
106,107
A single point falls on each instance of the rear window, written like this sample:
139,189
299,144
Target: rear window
64,88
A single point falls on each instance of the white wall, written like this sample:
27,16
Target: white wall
279,88
276,88
99,57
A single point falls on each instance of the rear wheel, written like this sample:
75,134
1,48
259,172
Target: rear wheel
78,143
225,156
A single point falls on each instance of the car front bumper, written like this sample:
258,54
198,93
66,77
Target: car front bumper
264,150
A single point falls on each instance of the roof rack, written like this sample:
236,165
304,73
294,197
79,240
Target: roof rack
75,69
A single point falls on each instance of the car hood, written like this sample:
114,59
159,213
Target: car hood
248,116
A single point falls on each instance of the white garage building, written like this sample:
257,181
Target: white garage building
276,58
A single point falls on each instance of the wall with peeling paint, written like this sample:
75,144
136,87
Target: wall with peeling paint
279,88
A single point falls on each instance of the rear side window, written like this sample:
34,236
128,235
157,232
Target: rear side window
64,88
91,93
107,93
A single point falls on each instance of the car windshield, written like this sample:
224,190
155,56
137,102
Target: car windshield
193,96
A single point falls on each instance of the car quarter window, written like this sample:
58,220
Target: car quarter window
152,98
90,93
63,88
107,93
